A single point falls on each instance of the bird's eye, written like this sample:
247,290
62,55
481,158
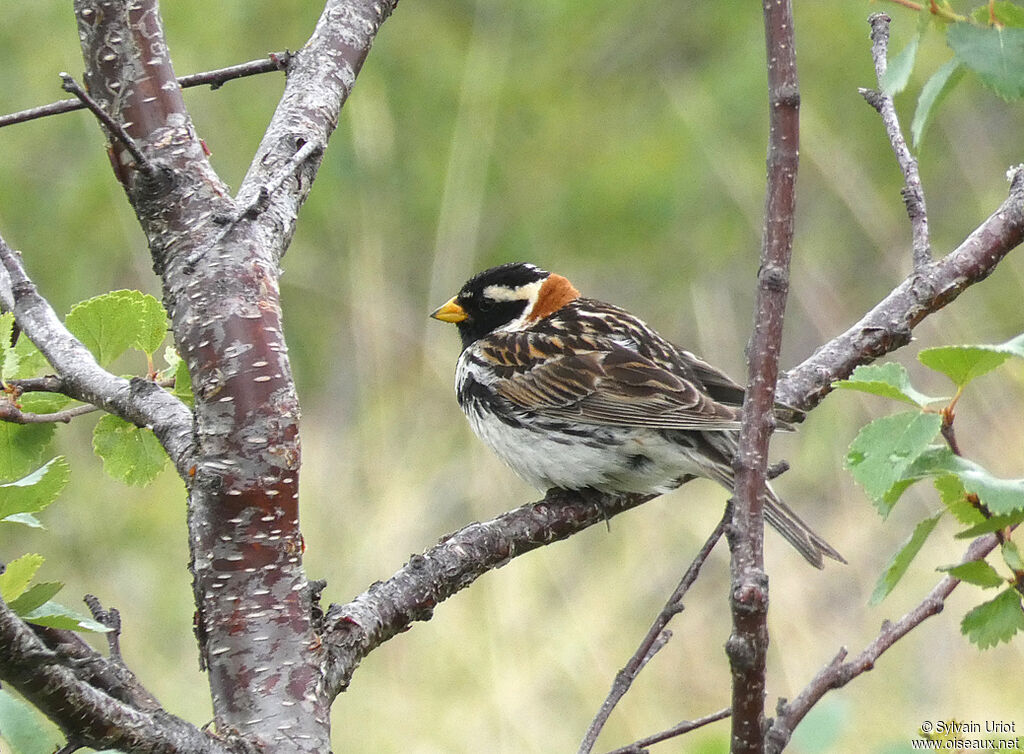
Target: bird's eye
485,304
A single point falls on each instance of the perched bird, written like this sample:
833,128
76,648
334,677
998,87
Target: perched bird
575,393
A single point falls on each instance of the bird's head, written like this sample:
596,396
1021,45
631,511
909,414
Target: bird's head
509,297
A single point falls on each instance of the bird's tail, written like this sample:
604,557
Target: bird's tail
797,533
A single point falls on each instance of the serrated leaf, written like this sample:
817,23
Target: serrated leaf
1012,555
934,91
24,360
55,615
994,621
976,572
110,324
22,447
1001,496
887,380
995,54
25,729
897,74
17,575
903,558
35,491
989,525
34,596
883,450
962,363
131,454
153,325
954,497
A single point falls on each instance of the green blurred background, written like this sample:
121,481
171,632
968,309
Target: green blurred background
621,144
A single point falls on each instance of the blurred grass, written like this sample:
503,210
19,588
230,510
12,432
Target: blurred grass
622,145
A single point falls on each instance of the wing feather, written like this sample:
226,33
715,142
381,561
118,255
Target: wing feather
599,381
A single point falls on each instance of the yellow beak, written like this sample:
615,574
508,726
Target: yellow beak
450,312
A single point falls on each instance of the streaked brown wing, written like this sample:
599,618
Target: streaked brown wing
597,381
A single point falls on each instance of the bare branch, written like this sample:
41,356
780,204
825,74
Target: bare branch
14,415
913,191
747,646
277,61
389,607
87,714
838,673
889,324
113,127
320,78
640,747
655,639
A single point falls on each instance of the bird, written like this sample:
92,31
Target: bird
573,393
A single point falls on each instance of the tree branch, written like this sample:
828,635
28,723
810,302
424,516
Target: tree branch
889,324
276,61
640,747
138,401
747,646
913,191
387,608
320,78
838,673
86,714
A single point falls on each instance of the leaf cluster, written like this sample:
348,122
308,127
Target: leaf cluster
892,453
109,326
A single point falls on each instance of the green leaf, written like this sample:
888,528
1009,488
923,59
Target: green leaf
17,575
954,497
131,454
1012,556
22,448
34,492
153,324
963,363
1001,496
976,572
1006,13
990,525
183,384
25,730
884,449
888,380
934,91
6,329
897,74
995,54
24,360
110,324
903,558
55,615
994,621
34,596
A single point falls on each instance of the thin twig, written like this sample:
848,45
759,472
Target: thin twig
655,638
11,413
913,191
276,61
639,747
838,673
116,129
109,617
262,200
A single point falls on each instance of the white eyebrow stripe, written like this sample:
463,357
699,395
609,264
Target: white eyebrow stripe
526,292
